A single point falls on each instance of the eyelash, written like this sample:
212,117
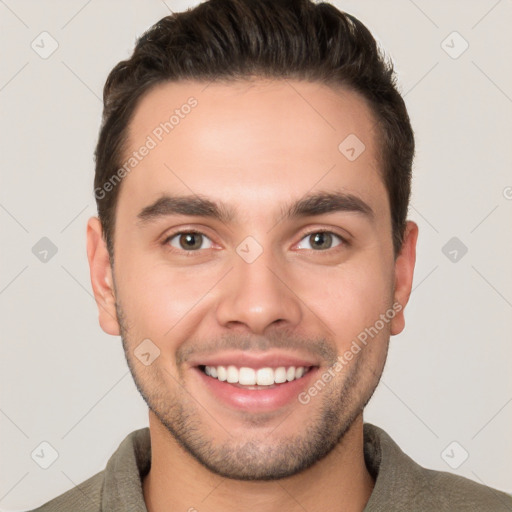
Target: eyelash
344,241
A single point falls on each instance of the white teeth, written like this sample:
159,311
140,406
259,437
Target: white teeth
232,373
247,376
280,375
250,377
265,377
221,373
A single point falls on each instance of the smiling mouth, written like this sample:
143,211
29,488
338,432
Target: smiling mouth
255,378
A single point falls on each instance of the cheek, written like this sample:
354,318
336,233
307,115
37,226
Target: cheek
156,297
351,299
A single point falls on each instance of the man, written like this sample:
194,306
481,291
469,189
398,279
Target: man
252,179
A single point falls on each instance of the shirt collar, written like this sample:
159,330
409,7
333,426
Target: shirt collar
126,468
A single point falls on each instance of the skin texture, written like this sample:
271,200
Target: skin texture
256,147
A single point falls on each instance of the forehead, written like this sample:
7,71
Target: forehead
249,142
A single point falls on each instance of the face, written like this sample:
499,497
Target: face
252,252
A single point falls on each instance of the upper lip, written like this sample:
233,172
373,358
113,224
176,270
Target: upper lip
273,359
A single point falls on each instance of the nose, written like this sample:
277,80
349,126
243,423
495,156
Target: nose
258,295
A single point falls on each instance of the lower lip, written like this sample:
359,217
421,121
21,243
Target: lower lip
256,400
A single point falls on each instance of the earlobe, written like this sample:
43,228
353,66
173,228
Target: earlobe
101,277
404,273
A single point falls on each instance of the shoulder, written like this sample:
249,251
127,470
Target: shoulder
85,497
402,484
119,483
454,492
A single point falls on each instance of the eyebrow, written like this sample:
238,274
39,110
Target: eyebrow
199,206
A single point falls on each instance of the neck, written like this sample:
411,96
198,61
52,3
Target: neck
176,481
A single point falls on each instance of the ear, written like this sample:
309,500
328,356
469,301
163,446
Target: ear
404,272
101,277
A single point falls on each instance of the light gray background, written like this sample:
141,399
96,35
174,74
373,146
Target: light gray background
65,382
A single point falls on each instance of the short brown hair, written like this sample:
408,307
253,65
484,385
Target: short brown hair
239,39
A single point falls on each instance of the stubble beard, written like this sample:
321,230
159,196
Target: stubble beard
258,456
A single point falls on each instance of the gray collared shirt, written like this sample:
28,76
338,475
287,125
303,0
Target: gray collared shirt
400,483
